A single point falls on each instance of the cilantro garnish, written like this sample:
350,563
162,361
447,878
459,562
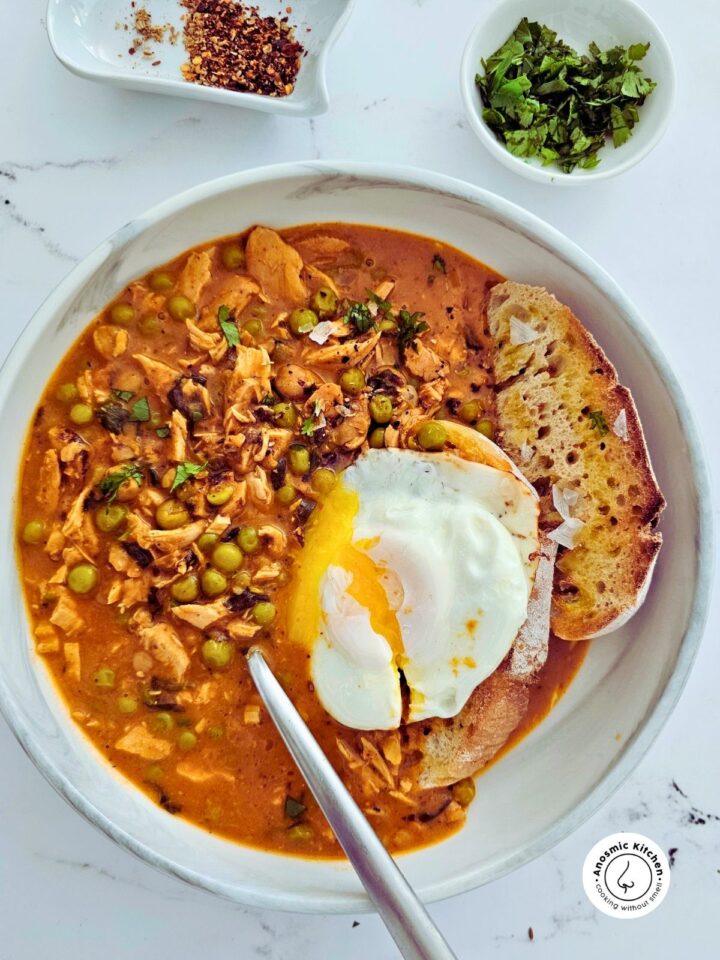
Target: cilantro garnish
359,316
308,427
228,327
411,326
598,421
184,471
140,411
543,99
163,432
124,395
384,306
110,484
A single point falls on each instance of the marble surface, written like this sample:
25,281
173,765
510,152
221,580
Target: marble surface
76,161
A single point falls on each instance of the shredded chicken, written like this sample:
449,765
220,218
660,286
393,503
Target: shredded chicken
196,274
275,265
139,741
425,363
164,645
350,353
178,436
110,341
162,376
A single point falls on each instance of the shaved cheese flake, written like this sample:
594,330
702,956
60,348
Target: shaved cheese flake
620,427
372,308
564,499
322,331
567,533
526,453
521,333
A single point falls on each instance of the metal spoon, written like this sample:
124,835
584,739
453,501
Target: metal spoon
405,917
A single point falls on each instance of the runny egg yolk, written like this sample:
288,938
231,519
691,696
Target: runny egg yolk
328,543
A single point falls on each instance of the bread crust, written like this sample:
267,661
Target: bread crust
549,394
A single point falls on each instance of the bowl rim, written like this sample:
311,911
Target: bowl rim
553,175
402,177
314,103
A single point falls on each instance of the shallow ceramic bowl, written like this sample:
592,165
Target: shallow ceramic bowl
85,38
631,680
577,22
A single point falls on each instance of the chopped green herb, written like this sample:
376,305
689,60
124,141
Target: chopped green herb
543,99
110,484
597,420
123,395
196,415
308,427
140,411
384,306
439,264
411,326
163,432
359,316
228,327
294,808
184,471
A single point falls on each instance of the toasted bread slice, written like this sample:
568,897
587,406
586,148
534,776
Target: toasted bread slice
457,748
568,423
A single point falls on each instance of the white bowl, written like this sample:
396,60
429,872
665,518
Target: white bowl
84,38
631,680
578,22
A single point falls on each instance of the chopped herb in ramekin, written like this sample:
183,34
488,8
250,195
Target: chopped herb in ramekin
544,100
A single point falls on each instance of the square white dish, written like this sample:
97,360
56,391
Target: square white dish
88,38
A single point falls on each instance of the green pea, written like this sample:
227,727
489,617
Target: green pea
104,678
217,654
180,308
227,557
154,773
220,495
387,326
110,517
486,428
82,578
264,613
126,703
122,313
207,541
67,392
299,458
81,413
377,438
285,415
162,722
215,732
213,583
150,324
161,282
352,381
33,531
186,740
248,539
381,408
324,301
323,480
302,321
469,412
232,256
464,791
186,589
432,435
170,515
254,328
285,495
301,831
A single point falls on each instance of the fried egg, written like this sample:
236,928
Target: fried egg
418,564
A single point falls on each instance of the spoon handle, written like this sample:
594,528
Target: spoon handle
405,917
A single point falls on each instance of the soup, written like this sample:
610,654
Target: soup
175,466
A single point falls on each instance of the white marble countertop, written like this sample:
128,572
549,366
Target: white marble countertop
76,161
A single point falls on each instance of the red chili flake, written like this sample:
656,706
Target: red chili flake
230,45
